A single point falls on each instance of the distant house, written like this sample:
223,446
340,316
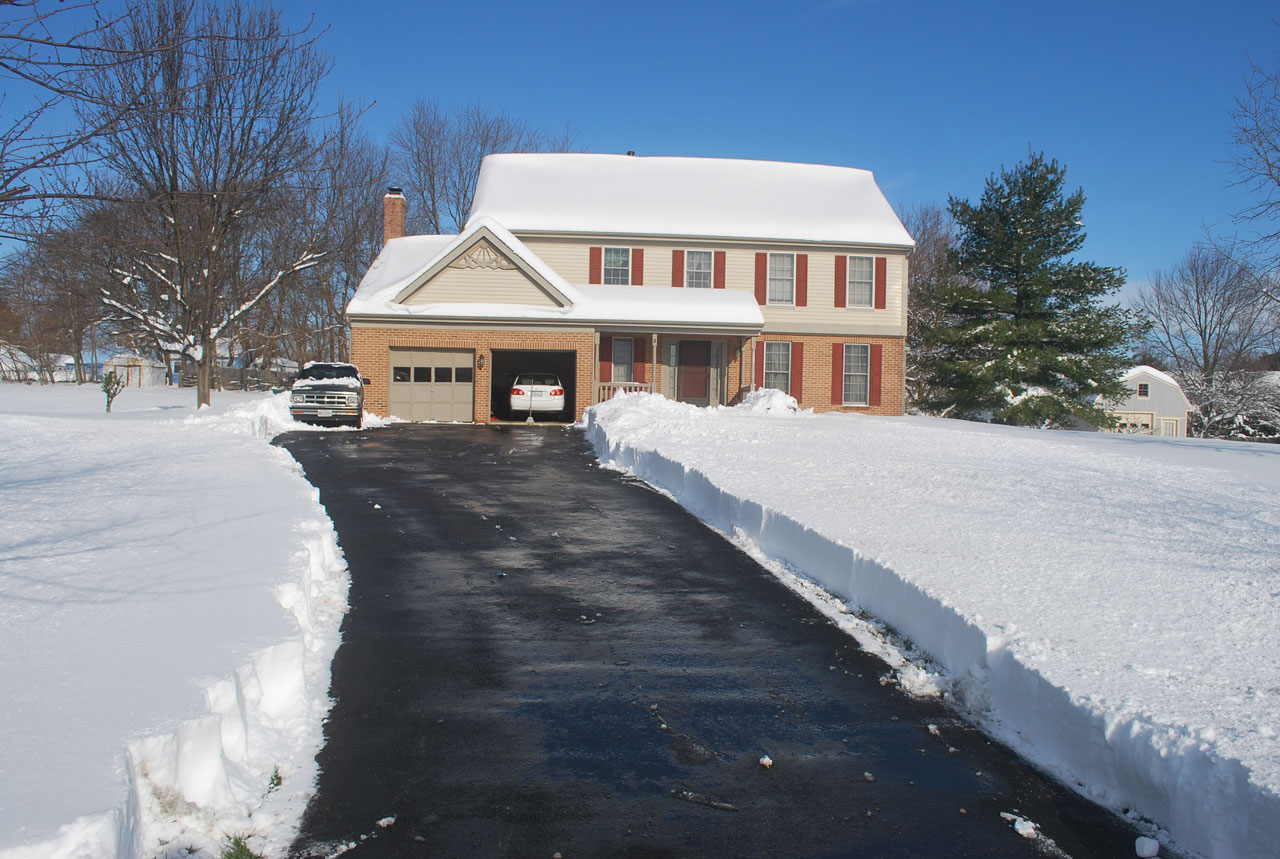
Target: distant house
697,278
137,371
1155,405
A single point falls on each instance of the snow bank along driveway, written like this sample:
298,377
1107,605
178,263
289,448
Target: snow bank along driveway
170,596
1108,605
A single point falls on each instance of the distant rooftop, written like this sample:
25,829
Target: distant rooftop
707,197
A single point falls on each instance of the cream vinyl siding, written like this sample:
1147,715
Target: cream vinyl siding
480,286
569,258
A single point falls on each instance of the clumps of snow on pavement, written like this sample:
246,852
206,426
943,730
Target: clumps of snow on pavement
1105,604
171,592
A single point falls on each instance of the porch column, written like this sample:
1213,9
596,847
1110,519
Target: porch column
653,362
595,370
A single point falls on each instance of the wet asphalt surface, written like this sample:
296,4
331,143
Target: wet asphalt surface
545,657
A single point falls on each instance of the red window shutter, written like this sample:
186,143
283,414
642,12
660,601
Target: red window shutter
719,270
873,395
837,374
802,282
762,279
759,362
595,265
637,267
677,268
842,289
797,370
639,350
882,279
606,359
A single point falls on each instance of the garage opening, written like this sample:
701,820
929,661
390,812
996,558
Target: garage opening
509,363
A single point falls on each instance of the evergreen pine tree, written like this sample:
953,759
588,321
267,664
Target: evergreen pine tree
1031,341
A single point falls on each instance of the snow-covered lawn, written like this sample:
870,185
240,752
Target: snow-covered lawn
170,597
1108,605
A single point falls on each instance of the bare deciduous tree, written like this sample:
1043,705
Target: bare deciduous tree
53,285
1208,321
49,54
437,154
1256,136
221,128
929,274
307,321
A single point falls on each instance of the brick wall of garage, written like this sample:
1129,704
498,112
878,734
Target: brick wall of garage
371,352
816,372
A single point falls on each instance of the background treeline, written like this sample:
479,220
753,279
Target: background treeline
204,204
172,184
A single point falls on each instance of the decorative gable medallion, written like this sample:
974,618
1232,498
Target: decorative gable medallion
483,255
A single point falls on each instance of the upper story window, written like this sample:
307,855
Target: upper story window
862,281
1144,390
698,269
782,278
617,265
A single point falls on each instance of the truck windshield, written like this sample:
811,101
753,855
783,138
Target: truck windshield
329,371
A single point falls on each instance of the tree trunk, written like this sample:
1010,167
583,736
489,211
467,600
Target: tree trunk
204,369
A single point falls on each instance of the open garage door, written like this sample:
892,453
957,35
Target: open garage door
433,384
508,363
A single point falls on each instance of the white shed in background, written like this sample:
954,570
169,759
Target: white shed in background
1155,405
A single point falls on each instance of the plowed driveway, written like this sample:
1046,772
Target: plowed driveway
543,656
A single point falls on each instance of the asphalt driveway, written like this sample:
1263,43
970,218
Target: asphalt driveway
545,657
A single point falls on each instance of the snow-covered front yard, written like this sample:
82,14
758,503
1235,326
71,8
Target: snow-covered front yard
171,592
170,597
1108,605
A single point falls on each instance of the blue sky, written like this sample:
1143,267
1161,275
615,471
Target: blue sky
933,96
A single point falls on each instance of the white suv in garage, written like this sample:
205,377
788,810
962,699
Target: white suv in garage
536,392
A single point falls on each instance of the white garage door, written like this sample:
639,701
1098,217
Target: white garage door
433,384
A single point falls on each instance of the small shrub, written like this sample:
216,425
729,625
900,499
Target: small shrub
112,385
237,847
276,779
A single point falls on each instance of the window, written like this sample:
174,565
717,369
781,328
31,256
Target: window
399,374
698,269
444,374
623,359
782,280
617,265
857,374
862,281
1144,390
422,374
777,366
464,374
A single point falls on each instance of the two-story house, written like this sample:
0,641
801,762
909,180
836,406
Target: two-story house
697,278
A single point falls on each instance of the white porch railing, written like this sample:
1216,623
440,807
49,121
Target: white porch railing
606,390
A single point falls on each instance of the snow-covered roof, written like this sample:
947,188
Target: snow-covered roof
705,197
1142,369
404,262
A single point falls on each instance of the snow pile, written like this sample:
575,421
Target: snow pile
171,592
769,401
1106,604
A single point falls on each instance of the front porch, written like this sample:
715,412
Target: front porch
700,369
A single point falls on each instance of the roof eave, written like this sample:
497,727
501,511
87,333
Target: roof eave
688,238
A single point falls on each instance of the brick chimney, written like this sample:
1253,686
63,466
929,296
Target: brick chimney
394,207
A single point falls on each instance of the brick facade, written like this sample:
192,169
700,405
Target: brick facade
371,352
816,371
371,348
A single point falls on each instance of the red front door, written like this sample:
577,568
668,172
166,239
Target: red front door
694,373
